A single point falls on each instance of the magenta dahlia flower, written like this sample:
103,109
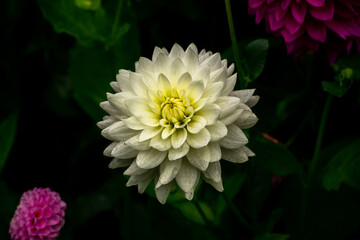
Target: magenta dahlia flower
39,216
307,25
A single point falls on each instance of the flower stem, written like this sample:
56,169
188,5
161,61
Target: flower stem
315,159
240,69
116,20
236,212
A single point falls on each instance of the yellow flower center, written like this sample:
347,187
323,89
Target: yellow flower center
175,111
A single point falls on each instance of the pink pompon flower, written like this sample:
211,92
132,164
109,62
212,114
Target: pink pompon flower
307,25
39,216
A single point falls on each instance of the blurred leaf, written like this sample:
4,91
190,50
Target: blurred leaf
274,157
343,167
88,4
334,88
84,25
7,136
254,56
91,71
190,211
272,236
8,204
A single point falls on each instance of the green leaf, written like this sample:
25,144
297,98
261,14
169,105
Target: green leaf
254,56
272,236
334,88
7,136
91,71
343,167
85,26
274,157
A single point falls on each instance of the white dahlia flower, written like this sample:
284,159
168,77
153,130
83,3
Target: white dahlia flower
175,118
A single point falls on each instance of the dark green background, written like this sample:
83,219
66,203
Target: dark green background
57,61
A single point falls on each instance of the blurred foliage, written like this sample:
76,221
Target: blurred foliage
58,60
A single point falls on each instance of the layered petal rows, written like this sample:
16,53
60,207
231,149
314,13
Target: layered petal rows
40,215
307,25
175,118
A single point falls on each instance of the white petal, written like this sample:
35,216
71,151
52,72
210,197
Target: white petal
248,152
150,158
213,172
183,82
164,85
234,155
138,107
195,90
203,73
178,137
199,158
142,180
227,104
215,151
145,65
159,143
115,86
217,131
213,61
191,60
245,114
123,80
229,85
149,132
161,63
176,153
234,139
249,122
134,169
187,176
168,131
168,171
200,104
193,47
108,149
116,163
118,101
210,112
137,84
217,185
133,123
135,143
230,70
253,101
176,52
118,131
107,121
213,91
177,69
200,139
163,192
244,94
190,194
123,151
196,124
232,117
156,53
219,75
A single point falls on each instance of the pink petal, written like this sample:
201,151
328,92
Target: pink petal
324,13
274,25
316,3
299,12
255,3
316,30
291,37
285,4
339,27
291,25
